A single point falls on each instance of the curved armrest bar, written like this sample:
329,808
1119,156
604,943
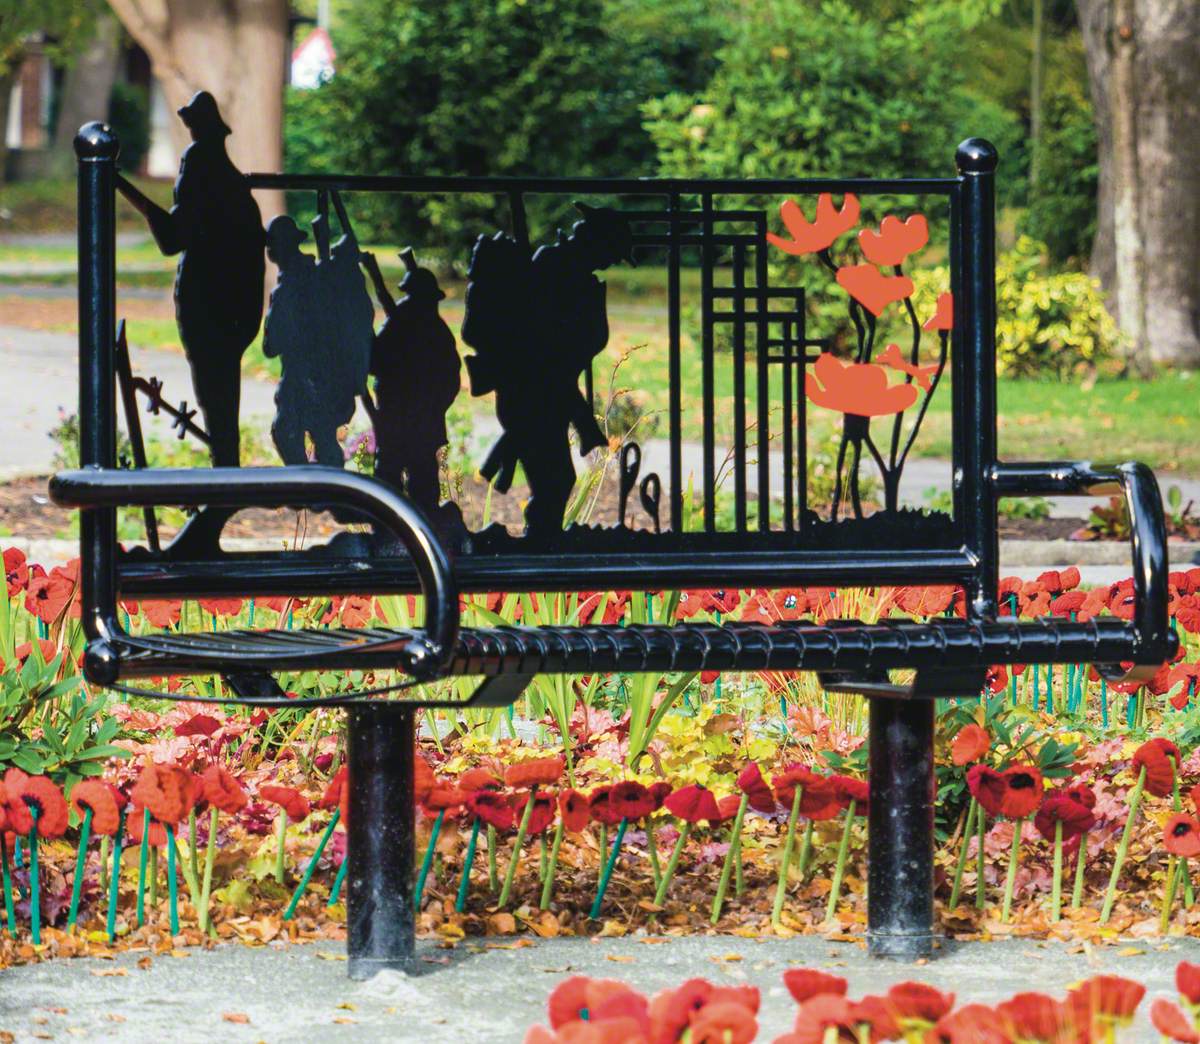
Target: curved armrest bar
1148,536
307,485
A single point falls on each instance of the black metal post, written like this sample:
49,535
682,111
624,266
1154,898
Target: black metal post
900,871
381,922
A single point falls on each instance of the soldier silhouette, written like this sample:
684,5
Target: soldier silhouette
216,227
536,328
416,370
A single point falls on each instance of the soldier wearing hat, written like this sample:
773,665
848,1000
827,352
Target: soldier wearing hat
416,369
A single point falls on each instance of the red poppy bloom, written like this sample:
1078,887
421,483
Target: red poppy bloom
895,239
630,800
1159,757
919,1002
47,597
859,389
987,786
850,789
692,804
820,235
1034,1016
943,317
971,1024
806,983
541,772
167,790
423,778
1187,981
875,291
156,836
1067,603
1081,794
38,794
493,808
1109,996
573,807
99,797
573,999
443,798
222,790
971,744
1023,790
1181,836
723,1022
925,601
1171,1022
1059,807
161,612
198,725
479,779
671,1011
16,571
658,793
333,791
727,807
600,803
751,783
819,1014
221,606
289,799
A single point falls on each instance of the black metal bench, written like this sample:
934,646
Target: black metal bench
685,223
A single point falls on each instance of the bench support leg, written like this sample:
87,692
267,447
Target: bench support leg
900,874
380,920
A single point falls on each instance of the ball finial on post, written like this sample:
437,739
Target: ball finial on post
96,141
976,156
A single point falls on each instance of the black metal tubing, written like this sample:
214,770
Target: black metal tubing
98,490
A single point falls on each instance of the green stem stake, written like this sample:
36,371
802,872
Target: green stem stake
548,880
608,869
1080,860
210,854
1110,894
193,857
785,863
460,904
428,860
1169,886
115,877
1036,695
80,866
35,903
516,855
652,850
1010,882
838,870
280,838
9,912
980,884
290,912
172,883
141,879
672,863
739,882
1056,889
1104,703
337,881
493,877
967,834
727,869
805,850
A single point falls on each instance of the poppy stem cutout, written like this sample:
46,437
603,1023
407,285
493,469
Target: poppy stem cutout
172,882
336,890
280,838
608,869
428,860
967,834
1056,886
464,884
785,862
735,835
493,876
210,854
516,853
35,902
115,877
80,865
1080,864
9,912
141,878
1010,881
839,869
548,880
672,863
1110,894
290,912
981,833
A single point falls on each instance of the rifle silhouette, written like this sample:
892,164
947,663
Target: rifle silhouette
162,228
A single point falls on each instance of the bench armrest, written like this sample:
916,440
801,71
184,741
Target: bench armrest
306,485
1148,537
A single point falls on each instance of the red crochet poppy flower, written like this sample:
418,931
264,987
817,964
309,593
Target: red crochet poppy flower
805,983
971,744
333,792
289,799
671,1011
156,836
42,796
819,798
443,798
751,783
987,786
222,790
423,778
19,819
1059,807
919,1002
850,789
819,1014
723,1022
99,797
16,571
1159,757
1023,789
573,807
630,800
541,772
160,612
1181,836
693,804
479,779
1110,996
971,1024
600,803
658,793
1081,794
1172,1023
167,790
1187,981
573,999
493,808
1033,1016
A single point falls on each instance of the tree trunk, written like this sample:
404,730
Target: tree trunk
1145,86
7,79
1036,64
234,49
86,89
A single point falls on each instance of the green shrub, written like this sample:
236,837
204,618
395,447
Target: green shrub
129,116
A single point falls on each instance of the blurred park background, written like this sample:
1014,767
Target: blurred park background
1093,104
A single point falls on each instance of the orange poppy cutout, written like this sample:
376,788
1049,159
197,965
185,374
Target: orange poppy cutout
819,235
895,239
872,289
892,357
860,389
943,318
